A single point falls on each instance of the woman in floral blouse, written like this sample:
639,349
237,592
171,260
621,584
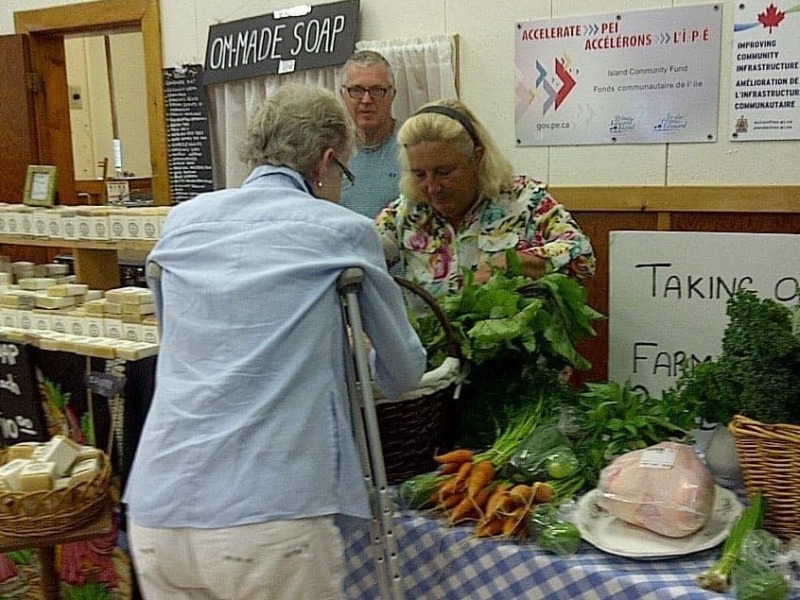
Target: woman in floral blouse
462,207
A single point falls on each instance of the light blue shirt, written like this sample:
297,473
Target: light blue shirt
377,179
250,417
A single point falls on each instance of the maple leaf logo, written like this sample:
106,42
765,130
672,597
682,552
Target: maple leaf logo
771,18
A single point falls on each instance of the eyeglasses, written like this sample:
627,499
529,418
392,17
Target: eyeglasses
376,92
346,172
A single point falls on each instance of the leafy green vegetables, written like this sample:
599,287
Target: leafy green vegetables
611,419
517,334
511,315
543,455
562,538
757,574
757,373
770,585
552,532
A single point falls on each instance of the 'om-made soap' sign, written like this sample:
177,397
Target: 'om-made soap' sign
284,41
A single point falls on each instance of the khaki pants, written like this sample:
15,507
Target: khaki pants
279,560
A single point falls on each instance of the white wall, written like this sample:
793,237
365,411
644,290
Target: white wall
486,32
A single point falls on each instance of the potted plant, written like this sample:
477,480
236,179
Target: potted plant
753,388
757,374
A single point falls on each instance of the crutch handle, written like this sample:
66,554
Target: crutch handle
352,276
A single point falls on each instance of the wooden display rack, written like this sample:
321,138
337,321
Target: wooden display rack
96,263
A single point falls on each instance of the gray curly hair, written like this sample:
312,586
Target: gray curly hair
294,126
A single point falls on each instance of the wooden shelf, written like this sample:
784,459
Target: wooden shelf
119,245
96,262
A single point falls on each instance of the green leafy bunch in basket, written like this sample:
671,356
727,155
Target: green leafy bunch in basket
757,374
517,335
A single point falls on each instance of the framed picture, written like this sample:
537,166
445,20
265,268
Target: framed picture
117,192
40,185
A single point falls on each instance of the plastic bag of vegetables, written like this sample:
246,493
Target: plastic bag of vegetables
758,573
544,455
553,532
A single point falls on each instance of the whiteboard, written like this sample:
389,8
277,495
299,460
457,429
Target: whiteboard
668,293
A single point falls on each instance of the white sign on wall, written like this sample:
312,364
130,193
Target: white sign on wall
668,293
649,76
765,72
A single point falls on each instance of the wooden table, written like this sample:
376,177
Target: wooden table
46,548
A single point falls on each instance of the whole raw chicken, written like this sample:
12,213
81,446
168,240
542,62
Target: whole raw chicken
664,488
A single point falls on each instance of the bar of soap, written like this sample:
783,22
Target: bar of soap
21,450
36,283
87,452
135,350
9,472
138,310
37,476
56,269
67,289
62,451
85,470
129,295
38,452
18,299
53,302
61,483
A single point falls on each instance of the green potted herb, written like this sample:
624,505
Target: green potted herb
757,374
752,390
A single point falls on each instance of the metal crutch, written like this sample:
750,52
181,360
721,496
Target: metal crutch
365,425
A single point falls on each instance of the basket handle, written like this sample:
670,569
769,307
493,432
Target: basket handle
453,347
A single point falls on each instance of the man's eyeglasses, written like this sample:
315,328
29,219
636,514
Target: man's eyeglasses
346,172
376,92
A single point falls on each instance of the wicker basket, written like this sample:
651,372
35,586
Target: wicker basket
52,512
769,456
414,427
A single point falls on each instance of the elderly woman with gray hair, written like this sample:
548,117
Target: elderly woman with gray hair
247,454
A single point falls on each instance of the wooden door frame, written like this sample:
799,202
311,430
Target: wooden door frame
46,28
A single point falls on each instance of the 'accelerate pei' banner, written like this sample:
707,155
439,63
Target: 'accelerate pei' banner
637,77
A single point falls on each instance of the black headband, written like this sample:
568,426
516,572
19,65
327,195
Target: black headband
456,116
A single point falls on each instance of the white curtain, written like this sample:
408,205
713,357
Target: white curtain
424,70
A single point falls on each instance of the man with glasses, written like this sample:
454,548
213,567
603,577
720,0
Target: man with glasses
368,92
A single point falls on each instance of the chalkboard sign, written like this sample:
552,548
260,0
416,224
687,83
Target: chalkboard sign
21,418
188,137
284,41
668,293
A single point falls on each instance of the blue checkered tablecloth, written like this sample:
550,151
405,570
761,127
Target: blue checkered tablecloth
447,563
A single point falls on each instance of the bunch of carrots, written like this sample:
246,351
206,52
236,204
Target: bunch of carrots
468,490
467,486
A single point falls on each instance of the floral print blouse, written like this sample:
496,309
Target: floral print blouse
524,217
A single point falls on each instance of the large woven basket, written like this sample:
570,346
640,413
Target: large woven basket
769,456
53,512
414,427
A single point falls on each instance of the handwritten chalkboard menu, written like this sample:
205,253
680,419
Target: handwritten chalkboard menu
21,418
188,137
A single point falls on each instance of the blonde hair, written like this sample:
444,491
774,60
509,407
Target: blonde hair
494,170
293,128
